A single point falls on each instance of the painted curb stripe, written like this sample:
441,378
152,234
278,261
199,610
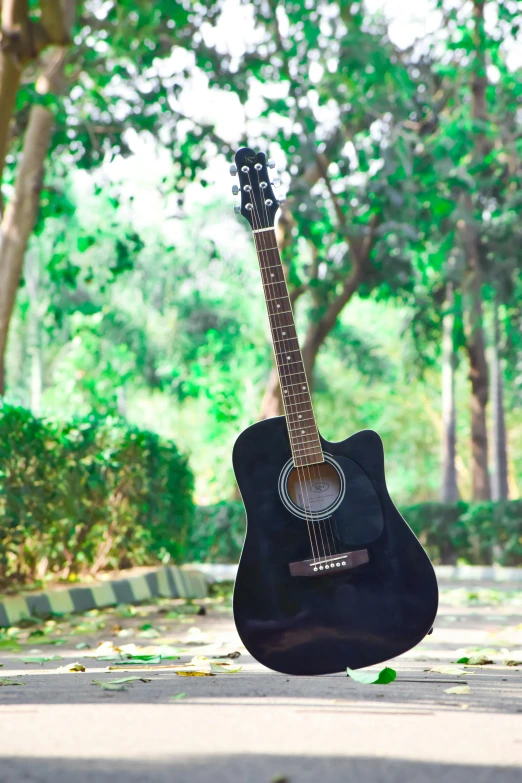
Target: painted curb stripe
167,582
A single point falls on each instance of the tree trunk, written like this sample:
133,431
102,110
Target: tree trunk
32,279
472,285
449,492
20,217
500,459
478,368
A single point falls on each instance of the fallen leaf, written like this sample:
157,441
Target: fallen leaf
178,696
195,674
108,686
83,646
447,670
149,633
129,679
11,645
512,663
234,654
6,681
224,668
459,690
41,659
72,667
476,660
383,677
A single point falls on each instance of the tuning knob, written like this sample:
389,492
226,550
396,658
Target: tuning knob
233,169
237,209
276,182
270,163
235,189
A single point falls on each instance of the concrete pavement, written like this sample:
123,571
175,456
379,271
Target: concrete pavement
263,727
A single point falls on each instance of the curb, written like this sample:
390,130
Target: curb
167,582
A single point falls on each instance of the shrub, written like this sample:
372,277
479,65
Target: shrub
88,494
475,533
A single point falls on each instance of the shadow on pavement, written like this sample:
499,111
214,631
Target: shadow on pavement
249,769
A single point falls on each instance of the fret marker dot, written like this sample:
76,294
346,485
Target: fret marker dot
284,333
272,275
279,305
304,387
288,358
300,416
302,431
286,391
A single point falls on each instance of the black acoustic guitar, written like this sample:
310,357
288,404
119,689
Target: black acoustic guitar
330,576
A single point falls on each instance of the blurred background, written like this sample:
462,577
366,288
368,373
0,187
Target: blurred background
134,343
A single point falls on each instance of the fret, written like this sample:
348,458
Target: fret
283,339
313,449
275,298
274,282
289,350
274,266
280,313
306,462
287,364
302,443
292,384
299,420
265,249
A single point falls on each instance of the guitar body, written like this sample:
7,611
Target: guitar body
320,620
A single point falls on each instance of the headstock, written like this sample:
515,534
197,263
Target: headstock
258,202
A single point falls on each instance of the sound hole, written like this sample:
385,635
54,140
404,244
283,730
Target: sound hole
314,488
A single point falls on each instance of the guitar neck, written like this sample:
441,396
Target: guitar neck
302,428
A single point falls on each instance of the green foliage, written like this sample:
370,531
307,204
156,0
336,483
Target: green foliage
88,494
478,534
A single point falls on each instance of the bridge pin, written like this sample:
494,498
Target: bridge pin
320,568
343,563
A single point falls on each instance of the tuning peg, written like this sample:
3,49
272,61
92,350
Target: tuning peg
276,182
235,189
237,209
270,163
233,169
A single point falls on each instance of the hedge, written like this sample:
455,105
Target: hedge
474,533
88,494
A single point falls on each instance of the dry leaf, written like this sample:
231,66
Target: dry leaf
195,674
447,670
224,668
459,690
72,667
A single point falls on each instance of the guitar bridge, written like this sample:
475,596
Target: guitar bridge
325,566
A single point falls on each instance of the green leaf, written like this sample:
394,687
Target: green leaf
224,668
41,659
10,645
178,696
384,677
108,686
121,680
6,681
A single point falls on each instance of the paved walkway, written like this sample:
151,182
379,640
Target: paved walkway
256,726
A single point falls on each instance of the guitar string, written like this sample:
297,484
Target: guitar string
300,471
257,220
310,470
314,469
334,537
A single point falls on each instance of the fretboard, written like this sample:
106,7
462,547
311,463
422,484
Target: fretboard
302,428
